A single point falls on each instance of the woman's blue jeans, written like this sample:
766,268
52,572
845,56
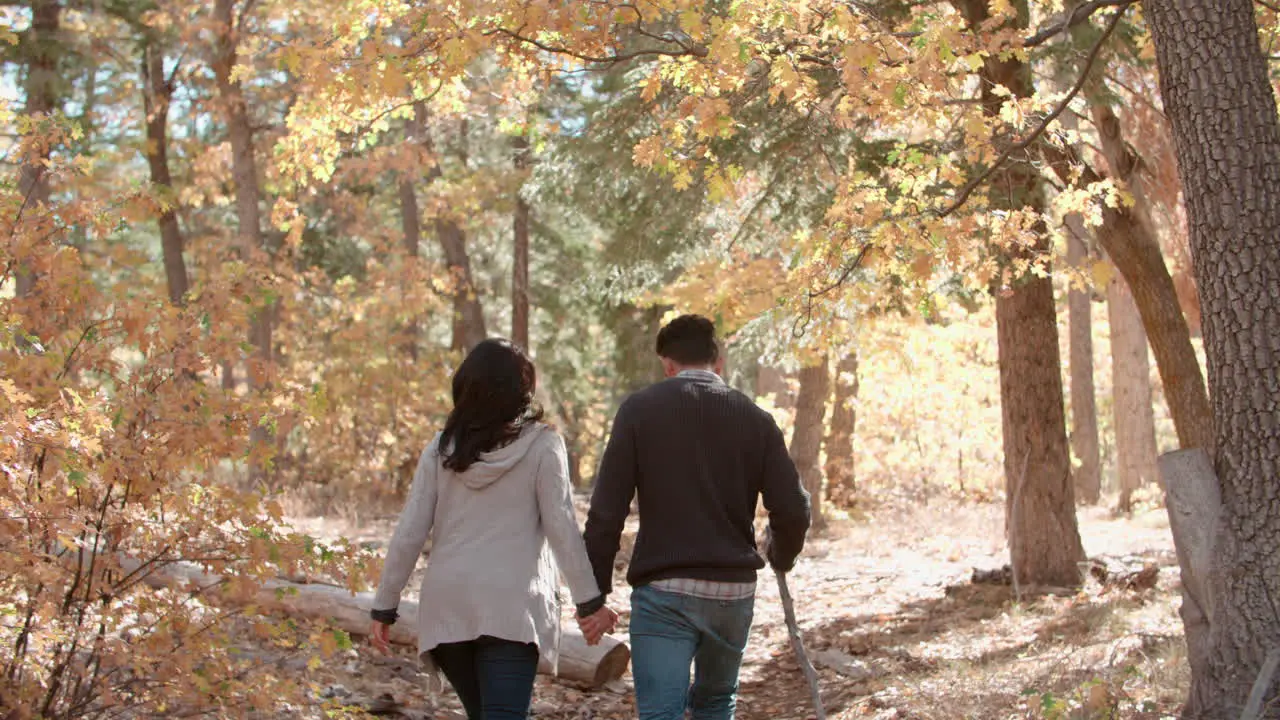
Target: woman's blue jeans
670,632
493,677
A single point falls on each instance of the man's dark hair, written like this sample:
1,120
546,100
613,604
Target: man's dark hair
689,340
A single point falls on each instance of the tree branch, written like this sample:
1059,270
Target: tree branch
1081,13
681,49
969,187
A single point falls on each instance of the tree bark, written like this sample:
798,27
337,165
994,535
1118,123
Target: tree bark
806,436
1087,477
1136,254
1044,541
520,262
635,361
771,381
1135,249
244,171
1222,111
411,218
468,314
842,487
40,45
1194,504
1136,452
157,92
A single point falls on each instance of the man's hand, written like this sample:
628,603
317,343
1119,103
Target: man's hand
595,625
380,637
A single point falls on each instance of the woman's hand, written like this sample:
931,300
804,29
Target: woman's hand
380,637
595,625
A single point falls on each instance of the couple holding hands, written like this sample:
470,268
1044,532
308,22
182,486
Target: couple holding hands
493,491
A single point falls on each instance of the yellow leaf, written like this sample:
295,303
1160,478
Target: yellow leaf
683,179
291,59
1102,272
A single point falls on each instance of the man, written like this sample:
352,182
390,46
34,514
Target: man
699,454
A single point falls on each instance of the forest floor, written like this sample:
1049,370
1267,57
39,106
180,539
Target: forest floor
898,630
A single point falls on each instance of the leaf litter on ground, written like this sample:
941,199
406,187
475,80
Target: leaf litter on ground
895,628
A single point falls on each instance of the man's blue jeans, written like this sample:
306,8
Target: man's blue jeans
670,631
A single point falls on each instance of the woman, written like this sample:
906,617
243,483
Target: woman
494,488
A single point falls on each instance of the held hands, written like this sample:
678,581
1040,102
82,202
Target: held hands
597,624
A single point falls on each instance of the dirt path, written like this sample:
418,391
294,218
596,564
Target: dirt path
893,642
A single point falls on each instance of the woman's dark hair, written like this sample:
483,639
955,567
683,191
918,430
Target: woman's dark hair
689,340
492,402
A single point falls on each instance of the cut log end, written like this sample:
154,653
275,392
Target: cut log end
589,665
611,665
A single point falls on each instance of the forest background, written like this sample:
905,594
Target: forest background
246,242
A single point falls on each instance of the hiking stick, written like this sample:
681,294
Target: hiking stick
797,643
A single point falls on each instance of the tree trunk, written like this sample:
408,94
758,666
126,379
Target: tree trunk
42,50
520,261
1136,254
1040,514
157,92
468,315
88,113
806,436
1135,249
1222,111
842,488
410,223
1136,453
411,219
635,362
244,171
772,382
1084,409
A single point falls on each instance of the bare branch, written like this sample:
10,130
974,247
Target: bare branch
681,50
1253,708
969,187
1081,13
845,273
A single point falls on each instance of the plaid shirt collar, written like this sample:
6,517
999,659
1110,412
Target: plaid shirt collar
701,375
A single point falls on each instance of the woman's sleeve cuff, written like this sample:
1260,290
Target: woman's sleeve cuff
386,617
591,606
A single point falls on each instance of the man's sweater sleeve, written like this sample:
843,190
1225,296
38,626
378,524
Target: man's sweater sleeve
611,499
786,501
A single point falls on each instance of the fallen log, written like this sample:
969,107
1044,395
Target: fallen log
584,664
1124,573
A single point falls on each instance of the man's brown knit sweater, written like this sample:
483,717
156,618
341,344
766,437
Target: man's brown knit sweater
699,454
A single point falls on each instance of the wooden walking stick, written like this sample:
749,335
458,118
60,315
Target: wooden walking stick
797,643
